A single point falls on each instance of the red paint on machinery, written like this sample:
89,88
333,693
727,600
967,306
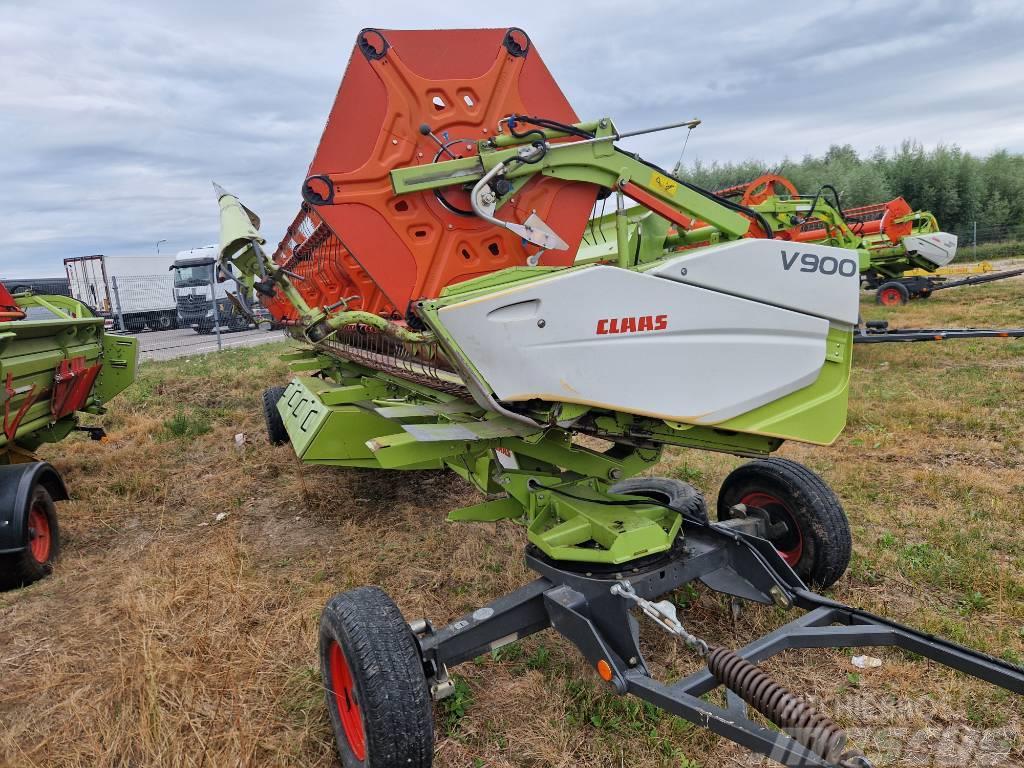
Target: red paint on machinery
379,250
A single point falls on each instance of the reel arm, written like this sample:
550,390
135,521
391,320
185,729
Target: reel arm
595,160
240,249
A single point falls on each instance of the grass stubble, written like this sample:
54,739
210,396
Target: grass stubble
169,638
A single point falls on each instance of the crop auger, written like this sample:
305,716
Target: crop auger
431,275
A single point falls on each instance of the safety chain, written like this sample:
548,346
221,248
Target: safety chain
664,615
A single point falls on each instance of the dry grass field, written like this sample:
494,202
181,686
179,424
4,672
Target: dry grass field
169,638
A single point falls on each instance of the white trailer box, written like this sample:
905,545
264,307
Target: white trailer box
137,292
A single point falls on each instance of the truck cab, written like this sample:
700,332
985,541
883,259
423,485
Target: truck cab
196,287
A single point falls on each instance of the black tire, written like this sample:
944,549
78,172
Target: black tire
162,322
22,568
238,322
276,432
813,533
675,493
892,294
370,663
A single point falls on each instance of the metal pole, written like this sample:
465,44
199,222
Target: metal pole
117,301
687,124
975,240
216,311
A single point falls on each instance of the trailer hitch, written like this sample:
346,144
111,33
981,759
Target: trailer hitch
591,610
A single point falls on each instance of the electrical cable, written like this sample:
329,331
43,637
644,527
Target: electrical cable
437,192
679,162
604,204
543,122
737,207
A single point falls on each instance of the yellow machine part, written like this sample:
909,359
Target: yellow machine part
954,269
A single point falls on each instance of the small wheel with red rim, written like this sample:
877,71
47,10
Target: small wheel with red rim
892,294
377,695
41,538
805,520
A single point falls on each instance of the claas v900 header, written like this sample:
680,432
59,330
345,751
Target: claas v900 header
903,253
432,274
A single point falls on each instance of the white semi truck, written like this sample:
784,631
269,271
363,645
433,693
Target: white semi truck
135,292
195,290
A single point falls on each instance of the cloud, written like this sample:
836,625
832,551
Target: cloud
114,117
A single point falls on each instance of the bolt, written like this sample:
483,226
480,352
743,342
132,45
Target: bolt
781,598
451,226
394,141
683,271
541,323
615,473
633,661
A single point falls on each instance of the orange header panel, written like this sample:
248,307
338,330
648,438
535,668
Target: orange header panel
459,83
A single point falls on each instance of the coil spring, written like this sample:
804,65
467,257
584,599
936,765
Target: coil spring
787,710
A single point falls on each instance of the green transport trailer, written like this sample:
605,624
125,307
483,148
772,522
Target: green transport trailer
56,362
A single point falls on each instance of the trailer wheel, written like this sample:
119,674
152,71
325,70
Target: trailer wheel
238,322
809,527
162,321
892,294
665,490
42,544
377,695
276,432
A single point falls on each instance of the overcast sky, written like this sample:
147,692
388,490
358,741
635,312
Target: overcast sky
115,115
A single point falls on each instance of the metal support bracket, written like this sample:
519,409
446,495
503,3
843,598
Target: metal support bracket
591,610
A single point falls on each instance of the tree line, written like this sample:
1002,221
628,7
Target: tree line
958,187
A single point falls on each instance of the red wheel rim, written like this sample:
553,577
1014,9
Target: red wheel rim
40,540
791,544
345,700
890,297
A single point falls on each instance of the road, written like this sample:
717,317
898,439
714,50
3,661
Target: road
166,345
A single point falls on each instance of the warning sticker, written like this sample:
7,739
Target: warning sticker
664,184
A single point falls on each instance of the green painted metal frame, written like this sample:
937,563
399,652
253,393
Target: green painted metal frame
31,351
343,413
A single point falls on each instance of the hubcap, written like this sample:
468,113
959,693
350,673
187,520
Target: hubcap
345,700
789,544
39,538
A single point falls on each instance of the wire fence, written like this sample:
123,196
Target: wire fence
177,315
979,241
